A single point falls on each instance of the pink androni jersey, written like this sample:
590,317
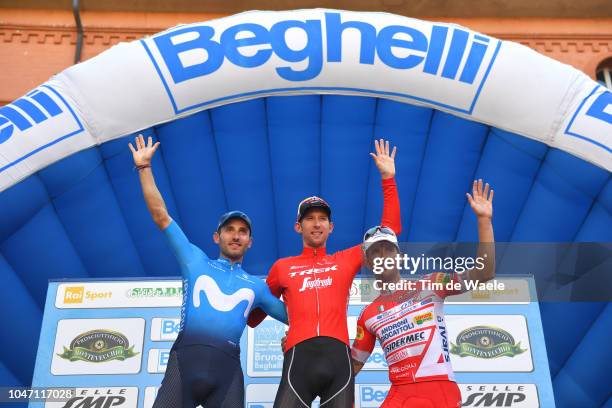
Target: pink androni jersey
410,328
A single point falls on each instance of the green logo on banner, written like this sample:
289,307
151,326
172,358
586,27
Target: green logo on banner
98,346
485,342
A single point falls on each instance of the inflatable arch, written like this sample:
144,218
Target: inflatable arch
257,110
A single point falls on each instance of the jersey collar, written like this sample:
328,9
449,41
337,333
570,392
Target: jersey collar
313,252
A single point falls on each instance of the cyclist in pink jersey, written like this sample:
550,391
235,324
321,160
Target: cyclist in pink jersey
409,324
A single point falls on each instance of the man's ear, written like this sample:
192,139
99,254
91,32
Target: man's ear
297,227
216,237
250,242
331,227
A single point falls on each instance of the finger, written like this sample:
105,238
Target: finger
470,199
480,187
475,188
387,147
393,152
140,141
136,143
491,196
376,147
150,142
375,157
131,148
155,146
486,191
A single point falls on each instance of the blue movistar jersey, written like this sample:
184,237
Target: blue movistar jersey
217,296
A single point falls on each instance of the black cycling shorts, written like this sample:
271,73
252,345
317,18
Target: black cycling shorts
320,366
201,375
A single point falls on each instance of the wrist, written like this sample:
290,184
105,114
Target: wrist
484,220
387,176
142,166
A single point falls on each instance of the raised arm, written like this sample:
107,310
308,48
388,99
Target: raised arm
481,201
385,162
391,217
142,155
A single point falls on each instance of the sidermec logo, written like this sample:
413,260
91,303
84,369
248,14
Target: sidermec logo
592,121
43,114
196,51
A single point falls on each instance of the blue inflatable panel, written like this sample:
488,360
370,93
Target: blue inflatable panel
585,379
56,257
19,203
564,190
406,127
596,226
241,134
347,127
455,144
561,342
87,208
509,163
7,378
23,316
294,137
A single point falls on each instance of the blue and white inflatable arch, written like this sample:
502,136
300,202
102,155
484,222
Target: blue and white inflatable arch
257,110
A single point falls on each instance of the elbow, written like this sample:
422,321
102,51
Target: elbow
161,218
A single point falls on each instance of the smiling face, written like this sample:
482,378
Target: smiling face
234,239
314,227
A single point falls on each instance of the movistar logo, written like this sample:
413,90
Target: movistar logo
198,50
219,300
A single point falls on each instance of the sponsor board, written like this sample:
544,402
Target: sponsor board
362,292
499,395
165,328
262,396
158,360
489,343
98,346
515,291
264,353
149,396
100,295
102,397
370,395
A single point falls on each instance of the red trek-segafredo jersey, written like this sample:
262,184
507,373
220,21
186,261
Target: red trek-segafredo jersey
315,285
410,328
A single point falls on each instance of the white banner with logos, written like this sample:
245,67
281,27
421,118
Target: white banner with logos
125,330
188,68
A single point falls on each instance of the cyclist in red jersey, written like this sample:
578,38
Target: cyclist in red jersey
315,288
409,324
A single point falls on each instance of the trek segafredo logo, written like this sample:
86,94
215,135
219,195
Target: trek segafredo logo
292,51
41,112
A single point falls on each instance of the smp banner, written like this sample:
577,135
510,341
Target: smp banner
188,68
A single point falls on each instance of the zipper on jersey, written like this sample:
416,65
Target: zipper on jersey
316,291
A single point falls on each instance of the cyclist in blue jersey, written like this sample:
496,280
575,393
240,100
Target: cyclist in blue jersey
204,363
